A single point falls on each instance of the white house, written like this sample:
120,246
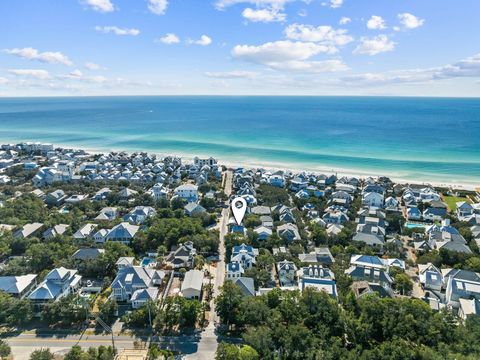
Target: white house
192,284
245,255
277,180
187,192
18,286
58,283
464,210
263,232
234,270
373,199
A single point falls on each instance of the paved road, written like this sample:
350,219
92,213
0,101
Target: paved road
207,345
24,344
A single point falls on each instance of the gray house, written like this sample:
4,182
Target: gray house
132,279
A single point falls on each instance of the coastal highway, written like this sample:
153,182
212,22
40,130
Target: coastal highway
25,343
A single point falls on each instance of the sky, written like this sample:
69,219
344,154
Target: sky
240,47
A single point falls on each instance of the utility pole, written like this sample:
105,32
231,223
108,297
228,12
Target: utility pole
107,329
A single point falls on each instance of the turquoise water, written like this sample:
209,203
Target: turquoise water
414,225
146,261
436,139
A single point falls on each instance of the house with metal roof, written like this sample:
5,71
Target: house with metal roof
183,256
123,232
468,307
18,286
317,277
133,278
28,230
286,271
141,296
192,284
321,256
245,255
140,214
371,269
55,231
234,270
87,254
246,285
58,283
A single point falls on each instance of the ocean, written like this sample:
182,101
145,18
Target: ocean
414,139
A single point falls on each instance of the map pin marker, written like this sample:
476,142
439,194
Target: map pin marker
239,206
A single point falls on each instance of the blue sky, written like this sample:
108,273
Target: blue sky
239,47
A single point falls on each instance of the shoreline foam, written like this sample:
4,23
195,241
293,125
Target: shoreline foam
290,167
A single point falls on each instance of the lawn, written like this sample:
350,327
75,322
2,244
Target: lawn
451,201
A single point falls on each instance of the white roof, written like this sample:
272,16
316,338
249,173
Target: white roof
190,187
16,284
193,280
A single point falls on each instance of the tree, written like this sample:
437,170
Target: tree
473,264
189,312
76,353
247,353
14,311
199,261
42,354
403,283
319,235
108,311
227,352
228,302
4,349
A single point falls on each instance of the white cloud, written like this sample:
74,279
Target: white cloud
336,3
117,31
100,5
466,68
289,55
279,51
158,7
376,23
203,41
323,66
324,34
263,15
3,81
375,45
35,73
275,4
303,13
169,39
92,66
410,21
344,20
76,73
46,57
236,74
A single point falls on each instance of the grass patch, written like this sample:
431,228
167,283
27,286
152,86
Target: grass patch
451,201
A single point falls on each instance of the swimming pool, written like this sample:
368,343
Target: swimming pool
146,261
411,225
